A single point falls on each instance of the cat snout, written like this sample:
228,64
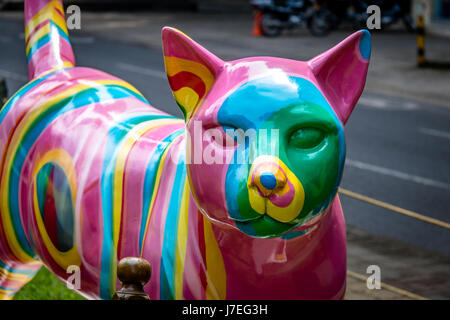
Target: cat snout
269,181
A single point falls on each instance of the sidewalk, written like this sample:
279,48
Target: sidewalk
403,266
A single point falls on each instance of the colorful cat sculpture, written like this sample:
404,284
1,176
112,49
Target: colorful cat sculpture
91,173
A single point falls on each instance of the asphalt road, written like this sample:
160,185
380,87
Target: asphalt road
398,151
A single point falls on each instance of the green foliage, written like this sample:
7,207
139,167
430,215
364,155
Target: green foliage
45,286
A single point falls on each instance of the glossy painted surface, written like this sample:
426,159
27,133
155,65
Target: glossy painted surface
91,173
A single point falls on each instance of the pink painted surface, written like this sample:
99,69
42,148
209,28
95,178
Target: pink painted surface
206,240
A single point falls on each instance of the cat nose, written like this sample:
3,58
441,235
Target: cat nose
269,182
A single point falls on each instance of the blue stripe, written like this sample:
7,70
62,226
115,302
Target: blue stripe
167,273
150,177
294,234
116,137
235,169
246,228
80,99
19,94
365,44
46,39
14,270
6,289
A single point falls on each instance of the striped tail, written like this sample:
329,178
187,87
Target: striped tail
47,41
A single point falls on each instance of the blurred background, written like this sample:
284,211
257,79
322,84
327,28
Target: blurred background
396,183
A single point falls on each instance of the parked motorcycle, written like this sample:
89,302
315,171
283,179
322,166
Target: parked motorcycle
333,12
393,11
283,15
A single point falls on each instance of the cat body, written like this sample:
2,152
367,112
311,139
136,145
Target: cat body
236,201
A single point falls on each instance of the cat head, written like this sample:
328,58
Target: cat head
265,146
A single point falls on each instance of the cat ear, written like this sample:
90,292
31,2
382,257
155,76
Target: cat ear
341,72
190,68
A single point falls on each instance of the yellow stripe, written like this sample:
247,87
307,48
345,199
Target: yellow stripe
12,276
155,191
12,150
134,135
31,117
396,209
5,295
420,42
48,12
118,184
420,22
215,267
180,256
65,64
189,99
64,160
175,65
38,35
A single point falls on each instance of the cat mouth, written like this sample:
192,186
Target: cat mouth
271,228
261,216
269,211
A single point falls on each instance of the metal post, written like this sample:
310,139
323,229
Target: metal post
3,92
421,61
134,273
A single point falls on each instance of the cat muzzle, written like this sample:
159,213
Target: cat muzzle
274,190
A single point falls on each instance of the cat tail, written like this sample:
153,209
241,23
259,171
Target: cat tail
47,43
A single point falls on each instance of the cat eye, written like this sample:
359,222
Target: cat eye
233,132
234,136
306,138
231,137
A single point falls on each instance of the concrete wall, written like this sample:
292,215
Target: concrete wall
434,23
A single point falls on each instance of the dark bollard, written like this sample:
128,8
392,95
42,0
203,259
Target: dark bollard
3,92
134,273
421,61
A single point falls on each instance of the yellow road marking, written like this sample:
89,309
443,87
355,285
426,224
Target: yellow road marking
396,209
387,286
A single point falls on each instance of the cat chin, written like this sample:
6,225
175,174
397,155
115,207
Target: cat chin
270,228
264,227
290,233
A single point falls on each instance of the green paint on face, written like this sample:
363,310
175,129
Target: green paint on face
308,144
183,109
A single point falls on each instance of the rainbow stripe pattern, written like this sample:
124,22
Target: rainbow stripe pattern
91,173
46,37
93,196
190,77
